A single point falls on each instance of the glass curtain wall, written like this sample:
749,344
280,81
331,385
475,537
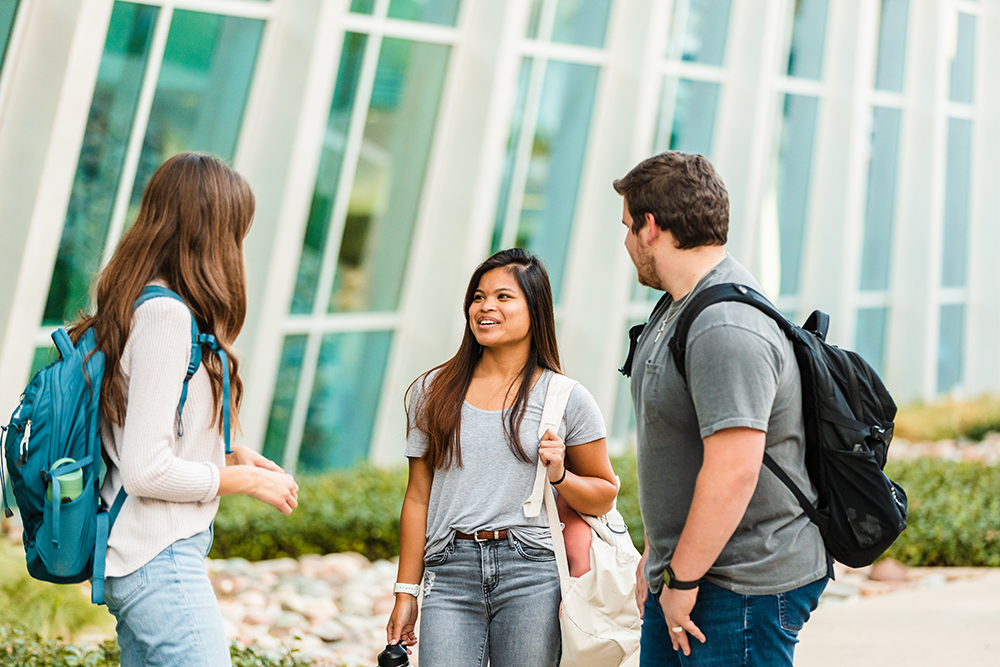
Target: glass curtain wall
787,203
550,129
957,187
357,240
8,12
879,222
690,73
169,81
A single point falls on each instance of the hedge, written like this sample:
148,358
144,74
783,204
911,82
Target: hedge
954,515
22,647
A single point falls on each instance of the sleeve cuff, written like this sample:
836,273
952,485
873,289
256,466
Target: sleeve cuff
736,422
213,490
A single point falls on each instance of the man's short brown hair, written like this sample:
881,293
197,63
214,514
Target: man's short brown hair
684,194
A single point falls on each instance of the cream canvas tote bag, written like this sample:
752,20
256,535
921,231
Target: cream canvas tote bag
600,621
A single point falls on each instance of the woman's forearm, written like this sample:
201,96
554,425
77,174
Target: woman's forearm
587,495
412,538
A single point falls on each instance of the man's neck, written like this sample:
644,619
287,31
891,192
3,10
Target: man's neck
684,268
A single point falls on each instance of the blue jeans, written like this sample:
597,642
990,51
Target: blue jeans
167,612
496,600
740,630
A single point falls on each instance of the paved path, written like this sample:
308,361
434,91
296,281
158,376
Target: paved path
954,624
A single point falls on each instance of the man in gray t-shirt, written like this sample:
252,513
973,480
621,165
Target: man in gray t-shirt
731,559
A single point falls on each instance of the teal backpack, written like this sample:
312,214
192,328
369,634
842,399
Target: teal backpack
53,457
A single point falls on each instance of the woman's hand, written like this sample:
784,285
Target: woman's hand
277,489
552,452
402,622
244,456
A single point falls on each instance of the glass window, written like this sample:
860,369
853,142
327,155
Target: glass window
892,46
956,202
794,170
556,163
534,19
699,31
198,105
805,59
581,22
285,389
880,208
8,11
328,175
510,159
687,116
951,347
345,395
442,12
963,58
870,336
389,178
88,216
201,92
362,6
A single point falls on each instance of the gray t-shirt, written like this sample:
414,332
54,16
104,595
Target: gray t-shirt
742,372
488,491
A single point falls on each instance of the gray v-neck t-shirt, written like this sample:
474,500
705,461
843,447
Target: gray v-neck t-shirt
488,491
742,373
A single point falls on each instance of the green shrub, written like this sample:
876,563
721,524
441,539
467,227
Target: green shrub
49,609
356,510
24,648
954,515
949,420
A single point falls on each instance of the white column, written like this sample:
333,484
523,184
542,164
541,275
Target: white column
49,84
912,332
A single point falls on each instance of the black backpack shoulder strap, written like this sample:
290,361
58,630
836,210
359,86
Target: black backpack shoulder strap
717,294
633,338
818,323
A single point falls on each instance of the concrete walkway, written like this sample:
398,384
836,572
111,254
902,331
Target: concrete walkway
953,624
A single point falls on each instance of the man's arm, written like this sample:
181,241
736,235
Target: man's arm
723,488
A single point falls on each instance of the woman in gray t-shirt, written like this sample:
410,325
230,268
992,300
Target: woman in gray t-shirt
490,582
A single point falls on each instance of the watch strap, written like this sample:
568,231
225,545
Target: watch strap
411,589
673,583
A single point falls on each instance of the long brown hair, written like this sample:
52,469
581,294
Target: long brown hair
189,233
439,414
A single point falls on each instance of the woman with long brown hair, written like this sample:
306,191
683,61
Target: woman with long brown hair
188,238
490,582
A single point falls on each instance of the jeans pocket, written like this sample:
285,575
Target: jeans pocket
534,553
440,558
119,591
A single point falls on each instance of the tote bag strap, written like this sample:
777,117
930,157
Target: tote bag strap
556,397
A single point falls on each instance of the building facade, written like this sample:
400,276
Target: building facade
394,144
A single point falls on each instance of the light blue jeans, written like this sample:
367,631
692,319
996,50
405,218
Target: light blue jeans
496,600
167,612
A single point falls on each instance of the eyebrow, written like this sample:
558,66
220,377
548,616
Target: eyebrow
479,290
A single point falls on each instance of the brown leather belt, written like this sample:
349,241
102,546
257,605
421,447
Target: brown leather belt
483,535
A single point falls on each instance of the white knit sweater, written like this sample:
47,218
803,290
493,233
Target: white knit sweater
172,482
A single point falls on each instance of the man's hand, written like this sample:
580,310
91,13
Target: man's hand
641,587
677,606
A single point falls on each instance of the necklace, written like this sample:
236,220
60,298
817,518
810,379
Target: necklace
672,315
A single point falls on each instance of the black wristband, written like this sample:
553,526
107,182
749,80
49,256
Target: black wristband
560,480
673,583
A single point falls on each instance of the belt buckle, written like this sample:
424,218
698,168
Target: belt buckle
496,535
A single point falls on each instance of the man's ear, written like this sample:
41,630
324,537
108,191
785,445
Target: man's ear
651,230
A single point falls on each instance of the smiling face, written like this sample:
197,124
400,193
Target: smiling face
498,314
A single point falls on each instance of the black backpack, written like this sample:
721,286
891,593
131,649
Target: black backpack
848,416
